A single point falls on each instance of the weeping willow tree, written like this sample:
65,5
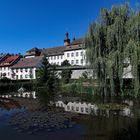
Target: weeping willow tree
113,49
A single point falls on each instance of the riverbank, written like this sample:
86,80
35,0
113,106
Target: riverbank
30,104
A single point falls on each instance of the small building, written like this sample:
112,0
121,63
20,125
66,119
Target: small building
26,68
33,52
5,65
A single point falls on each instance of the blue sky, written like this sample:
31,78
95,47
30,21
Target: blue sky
25,24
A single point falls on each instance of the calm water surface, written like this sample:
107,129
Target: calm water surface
8,133
103,126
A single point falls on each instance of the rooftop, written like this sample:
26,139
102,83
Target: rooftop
3,56
9,61
59,50
29,62
54,51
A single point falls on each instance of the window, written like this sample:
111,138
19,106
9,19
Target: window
77,61
72,54
21,77
77,53
72,108
61,56
68,108
82,109
26,76
21,70
77,108
54,57
81,61
67,54
16,70
30,72
82,53
57,57
26,70
72,62
57,104
51,57
87,110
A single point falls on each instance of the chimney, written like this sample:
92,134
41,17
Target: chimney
67,40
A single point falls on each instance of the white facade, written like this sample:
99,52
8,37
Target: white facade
5,72
75,57
88,108
127,72
56,59
78,107
24,73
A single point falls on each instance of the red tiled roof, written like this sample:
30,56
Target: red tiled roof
3,57
9,61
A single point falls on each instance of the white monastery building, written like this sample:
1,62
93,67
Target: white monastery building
73,51
17,68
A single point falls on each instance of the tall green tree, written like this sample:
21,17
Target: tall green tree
66,73
111,42
47,78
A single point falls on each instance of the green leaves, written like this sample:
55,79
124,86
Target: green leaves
112,40
66,73
48,81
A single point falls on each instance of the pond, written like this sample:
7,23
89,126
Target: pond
8,132
105,125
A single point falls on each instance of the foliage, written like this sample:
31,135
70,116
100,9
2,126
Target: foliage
47,79
77,90
66,73
112,42
10,85
112,106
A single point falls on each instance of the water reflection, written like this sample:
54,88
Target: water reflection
96,124
93,109
74,132
31,94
